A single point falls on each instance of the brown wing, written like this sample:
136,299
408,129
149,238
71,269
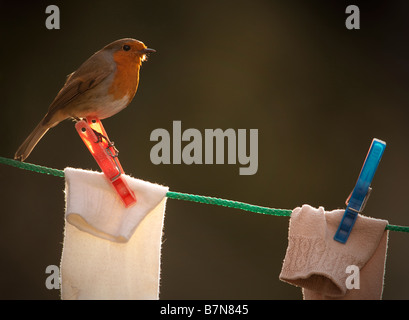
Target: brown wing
88,75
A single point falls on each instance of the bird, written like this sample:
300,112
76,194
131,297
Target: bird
101,87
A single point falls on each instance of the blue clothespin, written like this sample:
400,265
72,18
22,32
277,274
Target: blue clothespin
359,196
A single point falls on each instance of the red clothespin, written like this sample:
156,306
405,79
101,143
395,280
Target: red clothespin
105,154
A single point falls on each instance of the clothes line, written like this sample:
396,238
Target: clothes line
183,196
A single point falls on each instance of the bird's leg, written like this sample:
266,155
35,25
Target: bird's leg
100,136
76,119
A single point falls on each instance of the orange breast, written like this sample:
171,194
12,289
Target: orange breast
126,78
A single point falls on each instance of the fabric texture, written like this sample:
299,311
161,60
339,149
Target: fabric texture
111,252
318,263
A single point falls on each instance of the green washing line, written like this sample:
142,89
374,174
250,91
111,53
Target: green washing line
182,196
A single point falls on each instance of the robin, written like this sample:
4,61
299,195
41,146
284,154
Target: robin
101,87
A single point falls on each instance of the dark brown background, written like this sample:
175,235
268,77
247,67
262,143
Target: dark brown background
317,92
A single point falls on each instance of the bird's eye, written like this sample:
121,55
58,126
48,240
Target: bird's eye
126,47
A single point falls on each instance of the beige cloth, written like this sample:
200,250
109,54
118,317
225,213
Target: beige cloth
318,263
111,252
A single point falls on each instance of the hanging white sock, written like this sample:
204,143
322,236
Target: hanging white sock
111,252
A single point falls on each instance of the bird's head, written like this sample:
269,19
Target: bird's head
128,48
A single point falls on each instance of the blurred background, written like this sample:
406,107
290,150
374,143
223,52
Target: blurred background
317,92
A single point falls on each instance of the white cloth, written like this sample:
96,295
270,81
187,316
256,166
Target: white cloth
111,252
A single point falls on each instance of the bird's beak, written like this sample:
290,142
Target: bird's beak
148,50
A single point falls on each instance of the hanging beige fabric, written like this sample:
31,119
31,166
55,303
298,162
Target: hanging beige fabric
111,252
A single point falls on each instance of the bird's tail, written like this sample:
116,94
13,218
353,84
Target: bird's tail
28,145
